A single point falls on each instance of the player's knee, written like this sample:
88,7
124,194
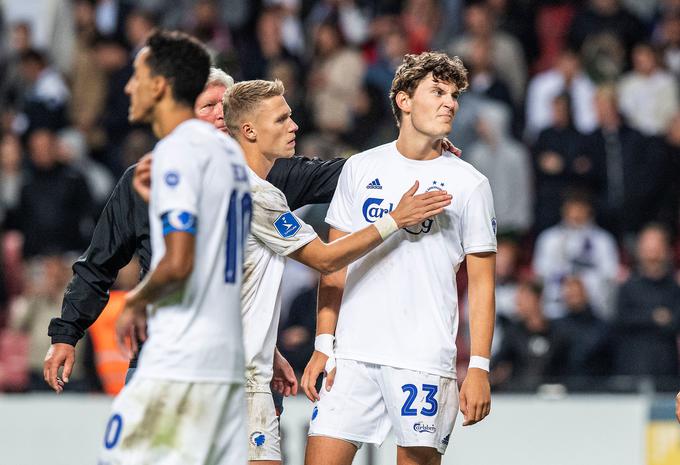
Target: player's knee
418,456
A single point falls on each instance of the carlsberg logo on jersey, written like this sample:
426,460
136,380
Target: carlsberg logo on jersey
374,209
423,428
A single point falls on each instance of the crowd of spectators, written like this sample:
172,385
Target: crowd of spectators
573,113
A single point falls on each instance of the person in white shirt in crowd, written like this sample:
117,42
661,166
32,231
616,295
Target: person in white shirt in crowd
648,95
577,246
505,162
565,77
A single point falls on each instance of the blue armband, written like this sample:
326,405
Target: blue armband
178,221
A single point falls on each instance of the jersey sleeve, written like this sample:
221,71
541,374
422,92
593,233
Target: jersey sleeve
339,214
176,179
275,225
478,221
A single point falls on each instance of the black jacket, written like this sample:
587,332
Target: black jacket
123,230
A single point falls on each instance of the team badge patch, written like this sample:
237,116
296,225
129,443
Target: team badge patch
171,178
287,225
257,439
178,221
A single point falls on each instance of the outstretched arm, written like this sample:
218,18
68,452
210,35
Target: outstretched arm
331,288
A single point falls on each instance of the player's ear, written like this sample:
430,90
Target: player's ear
159,85
248,131
403,102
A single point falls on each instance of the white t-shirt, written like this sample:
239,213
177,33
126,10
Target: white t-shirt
196,335
275,232
400,304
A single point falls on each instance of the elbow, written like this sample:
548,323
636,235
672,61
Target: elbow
180,270
328,264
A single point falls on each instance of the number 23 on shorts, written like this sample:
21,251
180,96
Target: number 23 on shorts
407,409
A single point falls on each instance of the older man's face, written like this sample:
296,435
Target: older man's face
208,106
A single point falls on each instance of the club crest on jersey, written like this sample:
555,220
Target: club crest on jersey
375,184
423,428
435,186
257,439
374,209
171,178
287,225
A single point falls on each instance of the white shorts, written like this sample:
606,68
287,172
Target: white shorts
368,400
172,422
264,442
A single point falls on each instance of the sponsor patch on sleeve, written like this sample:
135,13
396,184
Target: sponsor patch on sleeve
178,221
171,178
287,225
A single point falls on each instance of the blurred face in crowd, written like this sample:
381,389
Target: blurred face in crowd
574,294
327,39
208,106
506,259
528,303
576,213
478,20
644,59
606,7
432,107
274,127
10,154
142,90
42,148
653,252
569,65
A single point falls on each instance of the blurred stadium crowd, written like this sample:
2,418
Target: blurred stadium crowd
573,113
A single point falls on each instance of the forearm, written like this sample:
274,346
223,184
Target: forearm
481,299
331,288
162,282
339,253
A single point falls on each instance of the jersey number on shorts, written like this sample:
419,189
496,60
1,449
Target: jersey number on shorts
407,409
238,223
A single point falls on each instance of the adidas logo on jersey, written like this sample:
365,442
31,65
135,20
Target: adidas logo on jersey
375,184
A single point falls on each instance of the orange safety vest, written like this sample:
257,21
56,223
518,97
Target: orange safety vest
110,363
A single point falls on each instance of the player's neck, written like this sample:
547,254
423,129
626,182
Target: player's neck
257,161
169,115
417,146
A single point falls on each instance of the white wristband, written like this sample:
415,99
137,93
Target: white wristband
324,343
479,362
386,226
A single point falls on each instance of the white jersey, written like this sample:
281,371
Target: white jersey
400,304
275,232
199,174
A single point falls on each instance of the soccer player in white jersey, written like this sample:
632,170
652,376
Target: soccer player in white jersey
257,115
394,312
185,404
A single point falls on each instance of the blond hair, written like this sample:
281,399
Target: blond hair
243,98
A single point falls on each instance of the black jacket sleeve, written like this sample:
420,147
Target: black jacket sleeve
120,232
306,181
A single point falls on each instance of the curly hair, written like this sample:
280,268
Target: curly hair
415,68
182,60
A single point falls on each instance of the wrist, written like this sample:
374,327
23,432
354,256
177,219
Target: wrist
325,344
481,363
386,226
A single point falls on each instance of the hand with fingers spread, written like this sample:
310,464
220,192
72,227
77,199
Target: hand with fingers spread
475,396
59,355
414,209
131,328
283,381
142,178
317,364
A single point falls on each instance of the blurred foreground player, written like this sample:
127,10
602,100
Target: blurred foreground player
394,312
257,115
185,402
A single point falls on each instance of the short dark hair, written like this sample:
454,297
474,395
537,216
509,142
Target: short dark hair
415,68
182,60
